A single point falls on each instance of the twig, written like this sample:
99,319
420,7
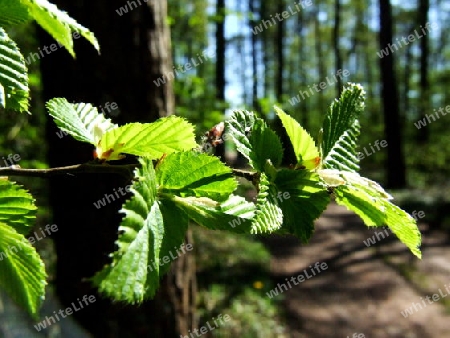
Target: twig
85,168
88,168
249,175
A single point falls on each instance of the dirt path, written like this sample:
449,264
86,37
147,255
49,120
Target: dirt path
365,289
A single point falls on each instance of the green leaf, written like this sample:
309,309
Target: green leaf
13,12
303,144
340,129
195,174
234,215
175,227
81,120
254,139
13,75
368,200
344,156
130,274
268,215
152,140
22,272
304,202
58,24
150,231
17,207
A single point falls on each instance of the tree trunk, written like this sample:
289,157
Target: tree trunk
135,52
220,63
279,37
254,43
395,163
321,106
337,53
424,102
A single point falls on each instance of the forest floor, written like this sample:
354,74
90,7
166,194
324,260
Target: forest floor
365,289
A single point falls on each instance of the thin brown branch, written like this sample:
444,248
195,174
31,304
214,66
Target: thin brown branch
248,175
85,168
88,168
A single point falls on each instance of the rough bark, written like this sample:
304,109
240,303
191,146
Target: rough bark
135,51
395,162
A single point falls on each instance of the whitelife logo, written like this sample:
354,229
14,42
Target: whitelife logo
281,196
427,119
296,99
205,329
47,231
301,278
285,14
372,240
411,38
49,320
419,306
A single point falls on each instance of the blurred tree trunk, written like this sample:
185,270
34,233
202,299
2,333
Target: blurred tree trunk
395,163
301,69
135,52
320,57
220,50
254,43
220,62
424,102
337,53
279,38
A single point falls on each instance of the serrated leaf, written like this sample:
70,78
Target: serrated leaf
303,144
234,215
268,216
343,156
17,207
175,227
142,230
144,241
81,120
152,140
22,272
368,200
193,174
13,75
13,12
305,202
58,24
341,129
254,139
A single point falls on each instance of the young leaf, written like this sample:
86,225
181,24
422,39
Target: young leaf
17,207
22,272
234,215
58,23
368,200
80,120
13,75
340,129
152,140
132,275
175,227
13,12
344,156
191,174
302,200
254,139
268,215
303,144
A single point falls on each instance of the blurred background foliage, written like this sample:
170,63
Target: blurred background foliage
256,71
